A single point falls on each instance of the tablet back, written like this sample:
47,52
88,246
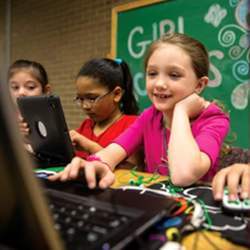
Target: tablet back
48,135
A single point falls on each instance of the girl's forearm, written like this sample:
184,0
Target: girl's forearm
93,147
183,153
113,154
88,145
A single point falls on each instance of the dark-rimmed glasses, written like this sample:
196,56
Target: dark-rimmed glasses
89,101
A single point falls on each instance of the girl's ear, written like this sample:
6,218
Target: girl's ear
47,89
202,83
118,92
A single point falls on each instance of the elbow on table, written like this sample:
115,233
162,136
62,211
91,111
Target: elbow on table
183,179
190,174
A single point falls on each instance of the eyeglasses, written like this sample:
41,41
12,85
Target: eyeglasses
89,101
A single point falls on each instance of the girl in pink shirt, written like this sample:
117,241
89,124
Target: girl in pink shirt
181,133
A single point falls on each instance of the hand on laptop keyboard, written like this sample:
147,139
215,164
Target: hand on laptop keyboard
93,172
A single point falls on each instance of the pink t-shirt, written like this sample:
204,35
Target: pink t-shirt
209,130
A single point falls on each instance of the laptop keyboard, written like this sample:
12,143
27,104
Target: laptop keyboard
85,224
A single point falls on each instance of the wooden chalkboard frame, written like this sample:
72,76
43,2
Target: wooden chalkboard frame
121,8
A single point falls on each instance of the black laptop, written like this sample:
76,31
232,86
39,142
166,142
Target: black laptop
48,137
69,214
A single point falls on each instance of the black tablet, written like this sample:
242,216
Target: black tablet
48,135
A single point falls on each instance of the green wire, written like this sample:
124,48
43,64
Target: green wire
141,178
172,188
208,218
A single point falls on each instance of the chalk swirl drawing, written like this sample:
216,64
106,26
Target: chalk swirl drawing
240,70
233,3
235,52
227,38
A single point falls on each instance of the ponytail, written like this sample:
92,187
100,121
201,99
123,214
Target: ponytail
128,101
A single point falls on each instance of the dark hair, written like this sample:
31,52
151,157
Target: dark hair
111,73
35,69
195,49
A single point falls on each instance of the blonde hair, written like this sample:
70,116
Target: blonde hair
195,49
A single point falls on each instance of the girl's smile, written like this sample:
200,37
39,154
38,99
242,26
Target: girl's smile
161,96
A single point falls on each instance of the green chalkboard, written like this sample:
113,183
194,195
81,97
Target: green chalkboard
220,24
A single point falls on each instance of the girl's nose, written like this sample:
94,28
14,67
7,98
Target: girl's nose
86,106
22,92
161,83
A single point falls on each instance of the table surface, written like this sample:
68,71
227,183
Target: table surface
200,240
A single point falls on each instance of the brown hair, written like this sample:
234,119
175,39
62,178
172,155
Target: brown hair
195,49
34,68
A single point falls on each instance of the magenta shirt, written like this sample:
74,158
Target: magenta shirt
209,130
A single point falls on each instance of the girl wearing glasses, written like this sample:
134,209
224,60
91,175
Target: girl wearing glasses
104,91
181,132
